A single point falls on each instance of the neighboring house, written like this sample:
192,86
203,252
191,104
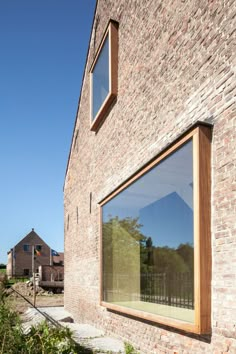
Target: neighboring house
30,252
51,277
51,273
59,259
150,199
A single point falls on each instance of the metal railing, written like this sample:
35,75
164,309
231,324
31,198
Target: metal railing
172,289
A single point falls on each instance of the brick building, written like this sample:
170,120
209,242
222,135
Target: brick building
150,200
20,257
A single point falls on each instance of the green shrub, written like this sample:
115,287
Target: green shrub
11,333
41,339
46,339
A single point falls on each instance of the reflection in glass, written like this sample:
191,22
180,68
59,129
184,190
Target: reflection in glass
148,241
101,78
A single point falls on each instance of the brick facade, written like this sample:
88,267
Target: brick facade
176,66
20,260
51,273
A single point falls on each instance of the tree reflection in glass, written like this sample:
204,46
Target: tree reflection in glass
148,241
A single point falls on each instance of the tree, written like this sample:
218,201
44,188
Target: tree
186,252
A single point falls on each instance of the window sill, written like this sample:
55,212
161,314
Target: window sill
166,321
102,112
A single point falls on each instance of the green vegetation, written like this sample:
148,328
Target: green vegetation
129,349
41,339
9,282
10,330
45,339
17,280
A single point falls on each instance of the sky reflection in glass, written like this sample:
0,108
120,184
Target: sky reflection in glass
162,199
101,78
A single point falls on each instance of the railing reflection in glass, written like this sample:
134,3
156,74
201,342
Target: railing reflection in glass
148,246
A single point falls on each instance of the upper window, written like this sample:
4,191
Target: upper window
156,239
26,248
104,75
101,79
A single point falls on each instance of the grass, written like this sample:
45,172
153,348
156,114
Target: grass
12,281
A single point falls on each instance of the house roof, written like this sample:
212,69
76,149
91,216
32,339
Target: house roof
32,233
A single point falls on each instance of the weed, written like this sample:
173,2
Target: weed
129,349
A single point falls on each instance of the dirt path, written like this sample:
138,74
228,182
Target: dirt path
43,299
20,305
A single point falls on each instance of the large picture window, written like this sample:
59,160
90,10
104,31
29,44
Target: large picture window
103,75
156,239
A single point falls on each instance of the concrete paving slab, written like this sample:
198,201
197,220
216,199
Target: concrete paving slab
57,313
84,334
31,318
108,344
84,331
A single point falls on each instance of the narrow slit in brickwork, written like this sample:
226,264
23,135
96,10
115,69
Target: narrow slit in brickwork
76,138
90,202
68,221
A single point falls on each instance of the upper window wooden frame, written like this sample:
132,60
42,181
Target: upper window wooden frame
200,136
107,54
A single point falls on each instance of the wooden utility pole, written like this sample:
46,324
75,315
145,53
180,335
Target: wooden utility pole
33,275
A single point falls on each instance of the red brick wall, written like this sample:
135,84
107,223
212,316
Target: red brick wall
23,260
176,66
51,273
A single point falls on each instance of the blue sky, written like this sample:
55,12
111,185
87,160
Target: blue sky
43,47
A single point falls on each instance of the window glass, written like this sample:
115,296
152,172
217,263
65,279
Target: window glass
26,248
148,245
100,84
26,272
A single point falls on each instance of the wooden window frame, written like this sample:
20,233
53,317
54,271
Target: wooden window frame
201,138
112,33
